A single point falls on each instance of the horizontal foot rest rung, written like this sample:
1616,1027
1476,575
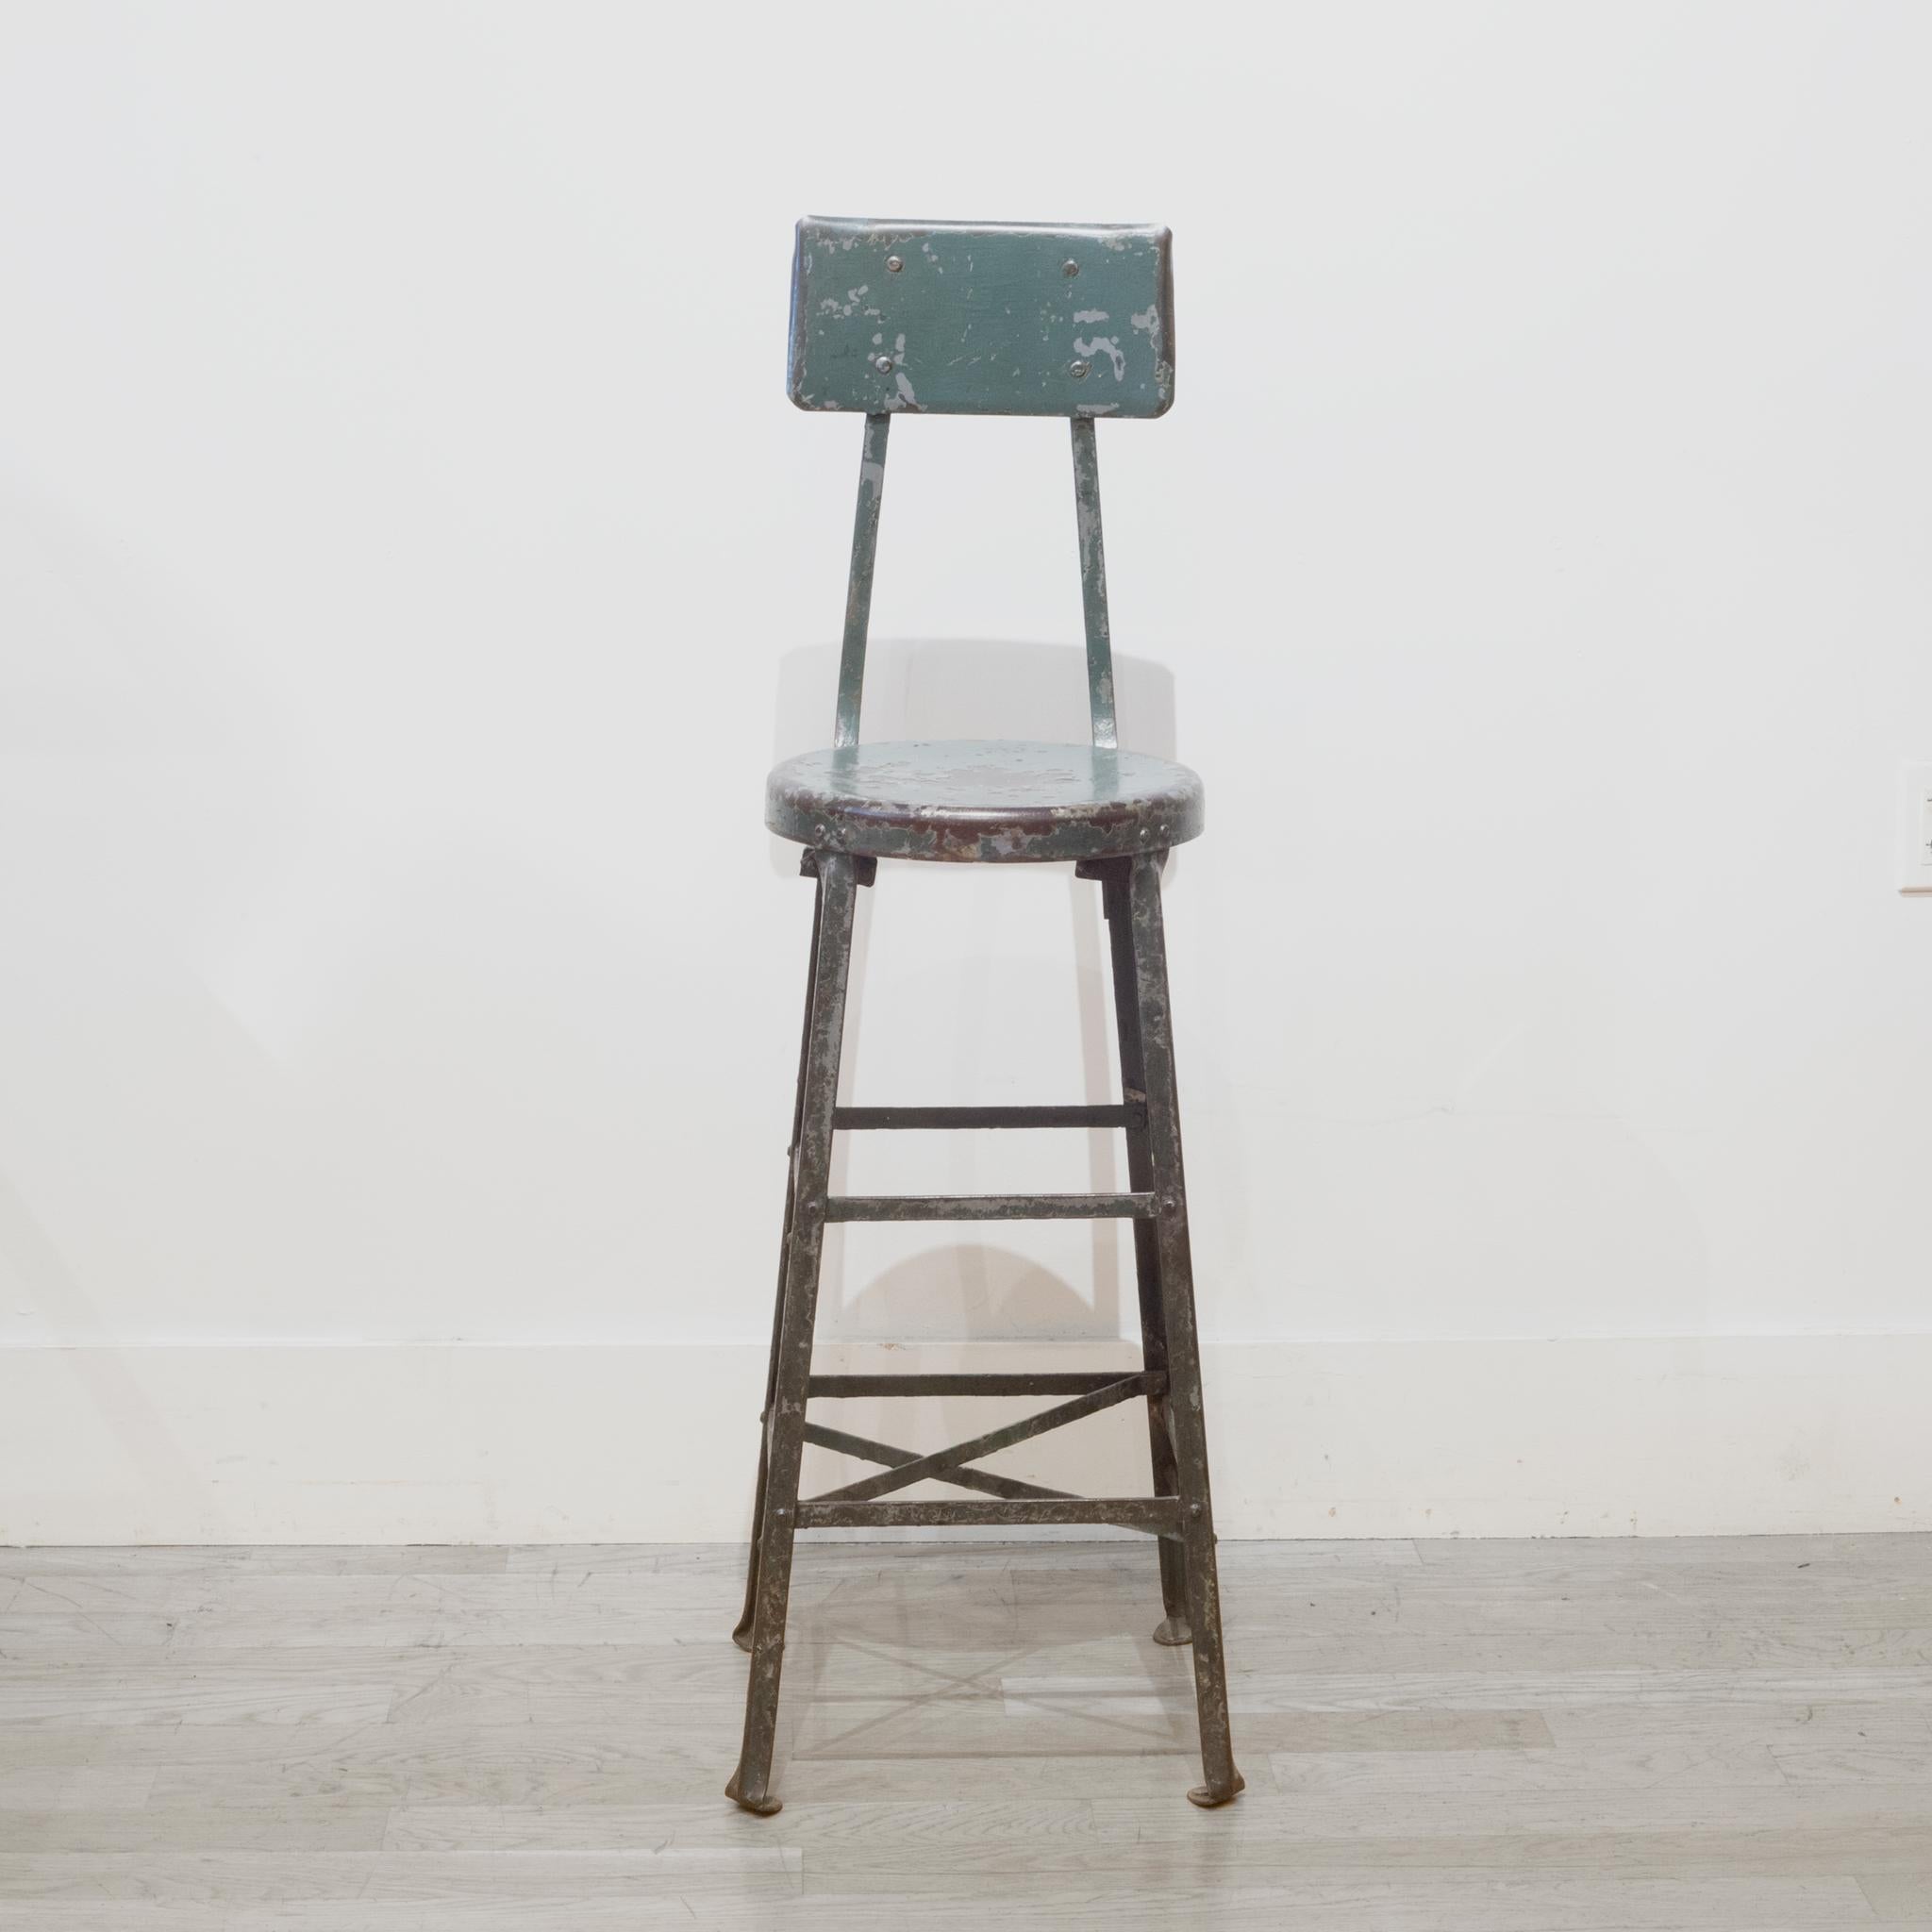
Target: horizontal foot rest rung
1154,1515
994,1382
988,1207
861,1119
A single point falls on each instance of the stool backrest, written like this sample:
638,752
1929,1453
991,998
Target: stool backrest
956,318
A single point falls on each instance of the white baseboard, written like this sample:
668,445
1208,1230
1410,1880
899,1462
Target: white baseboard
648,1443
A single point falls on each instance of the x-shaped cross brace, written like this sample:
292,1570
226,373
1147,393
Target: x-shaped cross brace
903,1468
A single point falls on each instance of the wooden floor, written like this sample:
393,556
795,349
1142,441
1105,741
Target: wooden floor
1485,1735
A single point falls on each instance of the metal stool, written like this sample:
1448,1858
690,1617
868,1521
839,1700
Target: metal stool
950,319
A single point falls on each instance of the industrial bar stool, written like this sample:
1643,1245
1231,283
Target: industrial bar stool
952,319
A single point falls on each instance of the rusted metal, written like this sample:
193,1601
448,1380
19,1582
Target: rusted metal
986,1206
740,1634
985,1382
865,545
862,1119
1184,1411
941,1460
985,801
1173,1628
1094,585
1156,1515
1180,1515
981,1479
750,1784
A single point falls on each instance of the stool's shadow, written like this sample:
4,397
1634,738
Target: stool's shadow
969,688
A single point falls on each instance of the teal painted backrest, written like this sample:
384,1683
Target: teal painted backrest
956,318
964,319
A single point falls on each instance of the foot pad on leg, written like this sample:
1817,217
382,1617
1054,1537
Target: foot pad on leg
761,1807
1209,1797
1174,1631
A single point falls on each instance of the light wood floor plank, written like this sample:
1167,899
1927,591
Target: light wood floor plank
261,1560
73,1788
545,1892
1692,1736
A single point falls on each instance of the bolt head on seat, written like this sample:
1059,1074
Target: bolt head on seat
984,800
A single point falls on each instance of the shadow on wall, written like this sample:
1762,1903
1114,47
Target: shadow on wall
971,688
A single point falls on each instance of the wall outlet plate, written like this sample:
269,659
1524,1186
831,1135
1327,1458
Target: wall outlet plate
1915,828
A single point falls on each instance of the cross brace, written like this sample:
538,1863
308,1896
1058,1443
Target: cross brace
1020,1502
981,1479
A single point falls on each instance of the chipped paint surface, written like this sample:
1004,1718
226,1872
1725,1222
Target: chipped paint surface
1093,583
865,539
984,800
1108,346
984,320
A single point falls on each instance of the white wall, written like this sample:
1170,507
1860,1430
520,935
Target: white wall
409,566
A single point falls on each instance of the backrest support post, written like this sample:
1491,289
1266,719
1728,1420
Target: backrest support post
1094,585
865,544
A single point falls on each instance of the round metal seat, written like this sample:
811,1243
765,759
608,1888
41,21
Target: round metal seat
985,800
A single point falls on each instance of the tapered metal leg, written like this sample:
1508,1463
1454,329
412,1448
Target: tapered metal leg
750,1784
740,1634
1184,1410
1173,1628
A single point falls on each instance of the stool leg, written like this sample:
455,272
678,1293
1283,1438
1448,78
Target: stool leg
750,1784
1185,1416
740,1634
1173,1628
